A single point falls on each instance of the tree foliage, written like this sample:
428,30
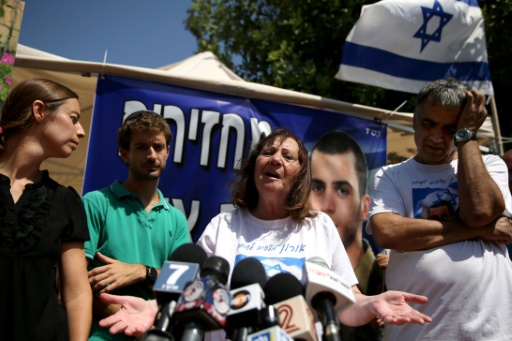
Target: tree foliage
497,14
297,45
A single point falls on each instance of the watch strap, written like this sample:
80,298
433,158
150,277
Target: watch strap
151,275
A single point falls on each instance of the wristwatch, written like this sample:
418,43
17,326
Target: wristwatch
463,135
151,275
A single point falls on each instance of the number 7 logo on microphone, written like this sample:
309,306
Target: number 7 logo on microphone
174,276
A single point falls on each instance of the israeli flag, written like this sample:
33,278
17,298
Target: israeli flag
402,44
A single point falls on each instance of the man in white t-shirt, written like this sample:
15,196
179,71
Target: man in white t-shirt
444,215
507,157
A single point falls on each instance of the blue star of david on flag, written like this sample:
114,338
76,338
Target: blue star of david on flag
429,13
402,44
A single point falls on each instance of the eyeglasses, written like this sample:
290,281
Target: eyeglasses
138,113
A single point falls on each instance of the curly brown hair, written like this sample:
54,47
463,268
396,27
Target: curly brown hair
244,192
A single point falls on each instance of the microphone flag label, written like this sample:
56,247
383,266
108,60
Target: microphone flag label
319,278
173,278
269,334
247,297
296,319
204,300
240,299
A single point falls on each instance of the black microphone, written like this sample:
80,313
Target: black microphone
327,293
247,298
270,329
204,303
181,268
285,292
268,317
282,286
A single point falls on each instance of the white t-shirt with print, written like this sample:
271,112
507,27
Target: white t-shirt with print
281,245
469,283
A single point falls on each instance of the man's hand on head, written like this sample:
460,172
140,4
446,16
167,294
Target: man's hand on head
474,112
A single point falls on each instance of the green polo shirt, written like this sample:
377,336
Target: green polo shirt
120,228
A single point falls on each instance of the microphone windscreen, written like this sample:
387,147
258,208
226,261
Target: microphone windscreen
189,253
248,271
281,287
217,267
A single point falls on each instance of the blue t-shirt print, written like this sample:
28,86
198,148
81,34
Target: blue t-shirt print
436,203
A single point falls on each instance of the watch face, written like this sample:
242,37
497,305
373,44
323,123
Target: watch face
463,134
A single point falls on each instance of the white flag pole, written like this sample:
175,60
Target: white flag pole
496,126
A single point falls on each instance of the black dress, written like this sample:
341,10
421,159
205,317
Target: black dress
31,234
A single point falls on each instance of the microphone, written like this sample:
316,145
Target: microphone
204,303
268,317
269,321
181,268
285,292
247,298
327,293
269,334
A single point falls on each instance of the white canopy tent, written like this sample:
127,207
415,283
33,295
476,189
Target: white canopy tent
205,72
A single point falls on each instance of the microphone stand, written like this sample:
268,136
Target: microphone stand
329,319
193,331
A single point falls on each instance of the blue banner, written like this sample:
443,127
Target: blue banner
212,132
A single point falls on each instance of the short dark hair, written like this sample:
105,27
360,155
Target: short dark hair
298,203
448,92
337,142
140,121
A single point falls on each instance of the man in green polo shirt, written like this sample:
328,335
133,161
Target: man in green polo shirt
338,188
133,228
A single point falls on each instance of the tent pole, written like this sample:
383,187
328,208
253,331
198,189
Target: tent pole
496,126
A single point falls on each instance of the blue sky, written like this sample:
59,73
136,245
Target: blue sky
148,33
